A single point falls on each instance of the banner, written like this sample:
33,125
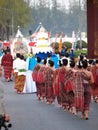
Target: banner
92,28
73,39
56,36
60,44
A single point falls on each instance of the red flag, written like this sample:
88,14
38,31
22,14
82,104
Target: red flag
49,34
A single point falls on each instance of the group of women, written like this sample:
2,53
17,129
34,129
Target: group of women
72,85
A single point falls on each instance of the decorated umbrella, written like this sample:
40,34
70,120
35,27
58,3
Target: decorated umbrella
42,48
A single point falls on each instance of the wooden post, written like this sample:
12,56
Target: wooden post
92,28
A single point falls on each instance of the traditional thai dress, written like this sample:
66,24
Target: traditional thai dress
87,91
41,80
21,75
95,85
63,94
7,63
69,87
34,76
79,92
49,74
15,73
56,86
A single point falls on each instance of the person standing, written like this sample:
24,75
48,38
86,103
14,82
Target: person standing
34,76
41,79
56,84
21,74
79,89
7,63
72,54
61,78
88,80
49,75
94,70
30,86
15,70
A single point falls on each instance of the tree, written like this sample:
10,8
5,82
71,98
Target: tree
13,13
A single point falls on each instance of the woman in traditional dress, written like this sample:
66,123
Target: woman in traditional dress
61,76
70,78
21,74
56,84
79,89
94,70
41,79
7,63
15,70
34,76
50,97
87,81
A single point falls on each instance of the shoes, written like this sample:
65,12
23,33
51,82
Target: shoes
86,118
8,80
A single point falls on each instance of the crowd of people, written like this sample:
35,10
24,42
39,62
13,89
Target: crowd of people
72,83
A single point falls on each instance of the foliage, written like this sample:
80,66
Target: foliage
56,45
58,19
78,52
68,44
18,10
83,44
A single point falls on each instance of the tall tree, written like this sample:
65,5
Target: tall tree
13,13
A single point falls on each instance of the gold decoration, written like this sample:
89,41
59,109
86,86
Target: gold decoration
42,46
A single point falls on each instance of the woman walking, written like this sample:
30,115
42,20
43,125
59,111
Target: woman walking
87,81
7,63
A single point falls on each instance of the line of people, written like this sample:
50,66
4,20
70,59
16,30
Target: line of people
72,85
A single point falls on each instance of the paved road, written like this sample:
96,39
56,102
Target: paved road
27,113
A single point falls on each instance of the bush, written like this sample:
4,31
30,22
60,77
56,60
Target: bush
84,44
68,45
78,52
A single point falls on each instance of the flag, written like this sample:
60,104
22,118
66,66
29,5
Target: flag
49,35
73,39
60,44
56,36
